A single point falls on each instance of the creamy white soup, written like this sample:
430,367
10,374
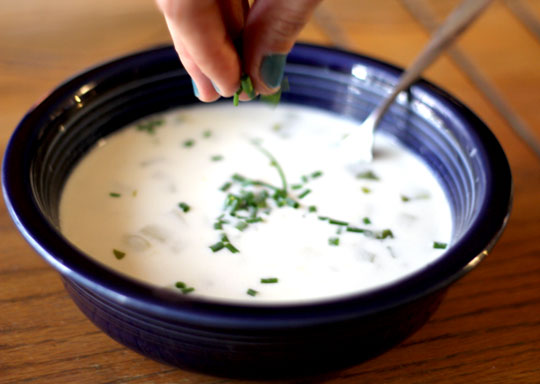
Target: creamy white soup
252,203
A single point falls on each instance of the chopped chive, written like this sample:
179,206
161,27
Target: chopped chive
187,290
184,207
323,218
312,208
366,220
231,248
241,225
337,222
189,143
206,134
438,245
115,194
366,190
355,230
292,203
368,175
217,246
277,126
405,198
275,164
296,186
333,241
217,158
269,280
304,179
254,220
118,254
236,97
149,126
384,234
252,292
225,187
180,285
316,174
304,194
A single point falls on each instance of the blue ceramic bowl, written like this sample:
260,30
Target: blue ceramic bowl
245,340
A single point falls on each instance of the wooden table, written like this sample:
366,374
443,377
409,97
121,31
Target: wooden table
488,327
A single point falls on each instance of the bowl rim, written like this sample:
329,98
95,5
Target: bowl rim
141,297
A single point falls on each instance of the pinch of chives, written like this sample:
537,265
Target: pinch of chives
333,241
312,208
366,190
355,230
118,254
247,86
115,194
252,292
269,280
189,143
337,222
217,158
217,246
366,220
304,194
184,207
438,245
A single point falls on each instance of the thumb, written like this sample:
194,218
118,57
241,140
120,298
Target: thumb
271,29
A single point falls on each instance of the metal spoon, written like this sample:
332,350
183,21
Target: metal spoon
460,18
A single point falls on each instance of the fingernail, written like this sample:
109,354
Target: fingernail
272,67
195,90
215,86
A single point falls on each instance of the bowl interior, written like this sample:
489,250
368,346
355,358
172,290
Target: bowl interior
457,146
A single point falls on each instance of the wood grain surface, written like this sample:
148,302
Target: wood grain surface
487,330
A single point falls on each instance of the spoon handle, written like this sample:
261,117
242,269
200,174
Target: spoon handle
453,26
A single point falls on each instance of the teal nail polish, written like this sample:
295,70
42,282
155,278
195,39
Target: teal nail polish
215,86
272,67
195,90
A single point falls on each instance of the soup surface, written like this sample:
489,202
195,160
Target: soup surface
254,204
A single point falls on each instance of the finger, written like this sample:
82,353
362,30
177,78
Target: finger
271,29
200,28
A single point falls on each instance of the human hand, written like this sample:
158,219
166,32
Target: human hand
204,33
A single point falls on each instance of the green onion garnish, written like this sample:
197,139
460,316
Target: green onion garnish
269,280
217,246
184,207
337,222
355,230
189,143
252,292
118,254
304,194
316,174
333,241
114,194
368,175
438,245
